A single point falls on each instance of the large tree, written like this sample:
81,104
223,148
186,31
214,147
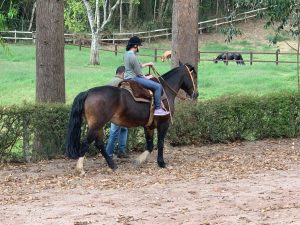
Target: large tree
96,25
185,32
50,82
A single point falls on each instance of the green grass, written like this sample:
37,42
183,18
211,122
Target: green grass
17,72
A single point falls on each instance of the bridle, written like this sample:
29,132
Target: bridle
175,92
191,76
160,78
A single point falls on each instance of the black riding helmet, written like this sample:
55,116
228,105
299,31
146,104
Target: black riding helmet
135,40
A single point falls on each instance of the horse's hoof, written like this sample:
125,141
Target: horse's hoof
80,173
137,163
113,165
162,164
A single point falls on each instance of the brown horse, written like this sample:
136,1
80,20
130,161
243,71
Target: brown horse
100,105
166,56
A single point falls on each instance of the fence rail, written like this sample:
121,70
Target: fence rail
158,52
145,35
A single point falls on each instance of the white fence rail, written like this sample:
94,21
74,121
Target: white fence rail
145,35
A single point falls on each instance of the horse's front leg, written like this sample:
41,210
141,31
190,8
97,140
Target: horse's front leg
162,129
149,146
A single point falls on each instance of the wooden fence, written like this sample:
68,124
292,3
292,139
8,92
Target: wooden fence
209,56
145,35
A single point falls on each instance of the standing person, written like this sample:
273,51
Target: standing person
133,71
117,132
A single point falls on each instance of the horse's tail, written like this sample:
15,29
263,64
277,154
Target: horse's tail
74,128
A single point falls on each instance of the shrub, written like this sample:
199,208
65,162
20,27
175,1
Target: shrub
236,118
38,131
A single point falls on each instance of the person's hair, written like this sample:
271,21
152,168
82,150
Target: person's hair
132,42
129,46
120,70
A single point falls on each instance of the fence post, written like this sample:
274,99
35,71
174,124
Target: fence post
80,43
216,24
251,58
15,36
277,56
155,55
33,36
149,37
226,58
113,38
116,50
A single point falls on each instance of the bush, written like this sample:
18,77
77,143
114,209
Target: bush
236,118
38,131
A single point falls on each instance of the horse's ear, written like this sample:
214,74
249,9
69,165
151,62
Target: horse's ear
180,63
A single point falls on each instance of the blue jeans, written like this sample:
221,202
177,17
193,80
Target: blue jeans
153,86
116,132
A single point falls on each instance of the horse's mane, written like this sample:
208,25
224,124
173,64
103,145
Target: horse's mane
175,70
168,74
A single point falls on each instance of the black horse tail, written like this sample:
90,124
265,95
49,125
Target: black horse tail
74,128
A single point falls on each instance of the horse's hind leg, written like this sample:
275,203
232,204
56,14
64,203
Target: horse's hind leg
99,143
90,137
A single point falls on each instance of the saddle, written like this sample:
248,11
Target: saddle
138,92
141,94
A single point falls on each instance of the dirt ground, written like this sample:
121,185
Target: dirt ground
238,183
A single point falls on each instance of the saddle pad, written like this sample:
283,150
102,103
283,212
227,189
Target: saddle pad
138,92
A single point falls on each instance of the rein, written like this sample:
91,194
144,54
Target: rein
190,73
159,77
176,93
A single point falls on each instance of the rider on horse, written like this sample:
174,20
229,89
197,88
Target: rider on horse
133,71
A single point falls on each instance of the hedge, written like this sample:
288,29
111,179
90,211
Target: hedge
23,128
236,118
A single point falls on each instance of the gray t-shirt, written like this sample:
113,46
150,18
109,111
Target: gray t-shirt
132,65
115,82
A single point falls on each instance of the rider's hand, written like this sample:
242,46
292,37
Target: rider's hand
148,64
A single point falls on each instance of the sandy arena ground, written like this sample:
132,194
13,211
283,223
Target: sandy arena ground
238,183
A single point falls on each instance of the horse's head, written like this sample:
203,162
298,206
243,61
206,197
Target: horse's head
189,84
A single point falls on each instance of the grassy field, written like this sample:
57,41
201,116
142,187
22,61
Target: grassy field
17,72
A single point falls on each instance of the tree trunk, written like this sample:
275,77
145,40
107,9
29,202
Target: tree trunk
154,10
130,14
161,10
185,32
94,55
50,82
121,16
32,16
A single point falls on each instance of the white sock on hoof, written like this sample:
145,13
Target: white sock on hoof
143,157
79,166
